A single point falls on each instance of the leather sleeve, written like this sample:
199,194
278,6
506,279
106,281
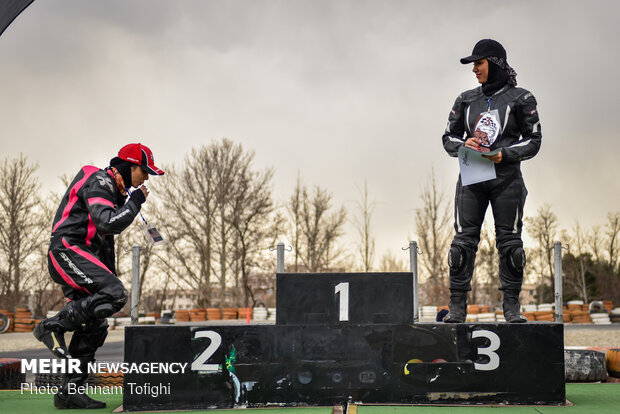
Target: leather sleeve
99,194
453,136
529,126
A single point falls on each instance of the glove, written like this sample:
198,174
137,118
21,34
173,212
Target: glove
138,197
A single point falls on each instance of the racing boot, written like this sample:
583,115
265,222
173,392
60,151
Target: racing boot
51,331
512,307
71,394
458,307
64,400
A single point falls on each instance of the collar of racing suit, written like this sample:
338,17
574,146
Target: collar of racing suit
118,179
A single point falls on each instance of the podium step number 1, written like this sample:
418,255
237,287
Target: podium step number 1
342,289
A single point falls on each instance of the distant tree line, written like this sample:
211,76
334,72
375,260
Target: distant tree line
219,217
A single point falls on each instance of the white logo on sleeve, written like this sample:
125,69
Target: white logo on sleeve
106,181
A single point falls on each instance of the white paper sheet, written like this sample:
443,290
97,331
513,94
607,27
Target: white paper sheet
474,167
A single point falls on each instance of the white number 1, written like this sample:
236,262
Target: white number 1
343,290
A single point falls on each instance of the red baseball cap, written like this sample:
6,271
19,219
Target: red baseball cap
141,155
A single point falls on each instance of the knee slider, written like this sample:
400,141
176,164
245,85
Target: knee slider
116,293
99,306
103,310
517,259
456,258
120,301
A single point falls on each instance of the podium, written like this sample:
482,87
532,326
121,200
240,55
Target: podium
333,298
321,352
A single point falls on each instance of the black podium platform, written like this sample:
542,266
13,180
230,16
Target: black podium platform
260,365
335,298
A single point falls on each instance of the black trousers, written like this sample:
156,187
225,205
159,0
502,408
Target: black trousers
507,198
82,274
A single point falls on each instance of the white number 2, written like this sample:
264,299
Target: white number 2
488,351
216,341
343,290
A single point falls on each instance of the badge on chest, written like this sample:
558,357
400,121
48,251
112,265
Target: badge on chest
488,128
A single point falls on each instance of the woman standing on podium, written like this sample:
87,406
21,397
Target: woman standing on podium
497,115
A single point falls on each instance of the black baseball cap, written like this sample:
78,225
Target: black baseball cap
485,48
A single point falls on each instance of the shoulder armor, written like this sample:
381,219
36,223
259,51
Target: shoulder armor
471,95
522,95
103,179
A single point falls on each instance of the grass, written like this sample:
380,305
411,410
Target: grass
586,399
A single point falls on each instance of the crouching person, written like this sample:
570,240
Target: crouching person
96,206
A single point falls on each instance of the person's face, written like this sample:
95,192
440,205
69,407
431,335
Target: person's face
138,176
481,70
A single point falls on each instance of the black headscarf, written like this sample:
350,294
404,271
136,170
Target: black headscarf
500,74
124,168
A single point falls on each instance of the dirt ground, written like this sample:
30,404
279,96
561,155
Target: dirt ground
21,341
589,335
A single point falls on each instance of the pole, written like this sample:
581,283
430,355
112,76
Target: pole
135,283
413,259
557,258
280,260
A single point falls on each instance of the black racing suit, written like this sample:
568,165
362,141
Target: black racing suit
81,253
519,140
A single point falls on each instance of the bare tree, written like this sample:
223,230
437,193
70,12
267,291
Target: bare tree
23,227
320,229
485,283
595,241
613,231
230,164
366,247
216,213
432,222
186,216
44,293
391,263
544,230
293,207
254,223
579,243
316,228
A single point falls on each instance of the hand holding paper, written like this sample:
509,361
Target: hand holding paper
474,165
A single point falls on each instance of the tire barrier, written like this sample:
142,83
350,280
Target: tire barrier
5,323
10,374
584,365
613,362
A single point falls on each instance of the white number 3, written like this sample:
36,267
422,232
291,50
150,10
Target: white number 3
488,351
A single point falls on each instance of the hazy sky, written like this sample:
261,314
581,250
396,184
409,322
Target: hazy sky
342,91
